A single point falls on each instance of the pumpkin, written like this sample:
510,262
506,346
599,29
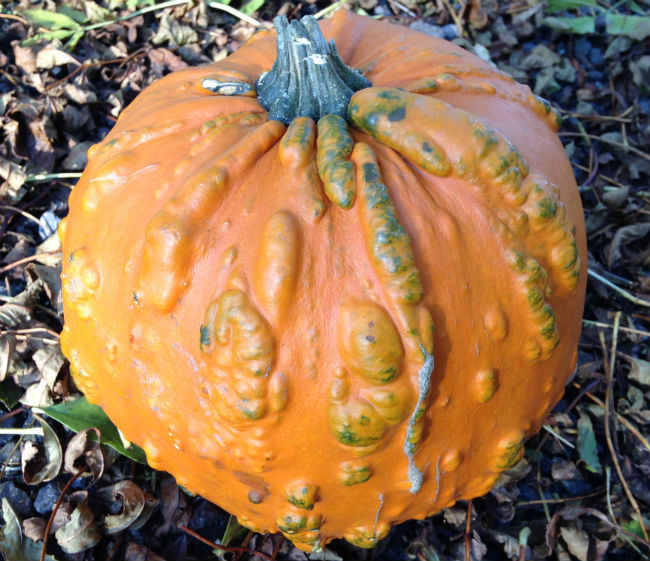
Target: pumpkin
329,292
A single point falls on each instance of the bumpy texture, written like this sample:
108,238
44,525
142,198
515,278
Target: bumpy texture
329,328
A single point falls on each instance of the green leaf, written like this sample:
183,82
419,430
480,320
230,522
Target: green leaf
252,6
50,20
71,43
78,415
49,35
10,393
634,27
560,5
76,15
586,444
579,25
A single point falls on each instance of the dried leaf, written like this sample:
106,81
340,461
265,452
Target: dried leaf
49,361
133,503
49,57
137,552
170,30
80,532
7,346
44,465
84,452
616,197
624,236
576,540
639,371
34,528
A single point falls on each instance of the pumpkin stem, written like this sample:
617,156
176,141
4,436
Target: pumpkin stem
308,77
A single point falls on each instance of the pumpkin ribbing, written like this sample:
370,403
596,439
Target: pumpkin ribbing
329,327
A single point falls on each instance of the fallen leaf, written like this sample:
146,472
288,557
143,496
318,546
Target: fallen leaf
85,452
639,371
586,444
49,57
46,464
623,237
80,532
133,504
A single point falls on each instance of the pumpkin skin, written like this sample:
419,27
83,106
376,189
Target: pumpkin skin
254,304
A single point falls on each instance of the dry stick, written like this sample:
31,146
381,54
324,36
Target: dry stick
27,260
629,426
609,371
57,505
11,414
468,530
624,293
589,323
627,147
231,549
560,501
603,177
140,52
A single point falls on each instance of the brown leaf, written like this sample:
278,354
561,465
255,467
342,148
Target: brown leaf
175,506
25,57
164,59
82,451
133,503
137,552
7,347
624,236
80,531
34,528
49,57
41,464
576,540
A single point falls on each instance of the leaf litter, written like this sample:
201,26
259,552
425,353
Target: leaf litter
68,68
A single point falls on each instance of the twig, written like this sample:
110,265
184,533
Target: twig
56,507
34,431
11,414
603,177
21,212
629,426
14,17
627,147
560,500
455,17
558,436
29,331
590,323
140,52
609,371
618,289
234,12
468,531
231,549
37,178
27,260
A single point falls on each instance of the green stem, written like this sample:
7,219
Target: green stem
308,78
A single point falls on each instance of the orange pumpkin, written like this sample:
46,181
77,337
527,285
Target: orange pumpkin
328,327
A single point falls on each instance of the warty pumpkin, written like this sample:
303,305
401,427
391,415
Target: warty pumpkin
328,298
